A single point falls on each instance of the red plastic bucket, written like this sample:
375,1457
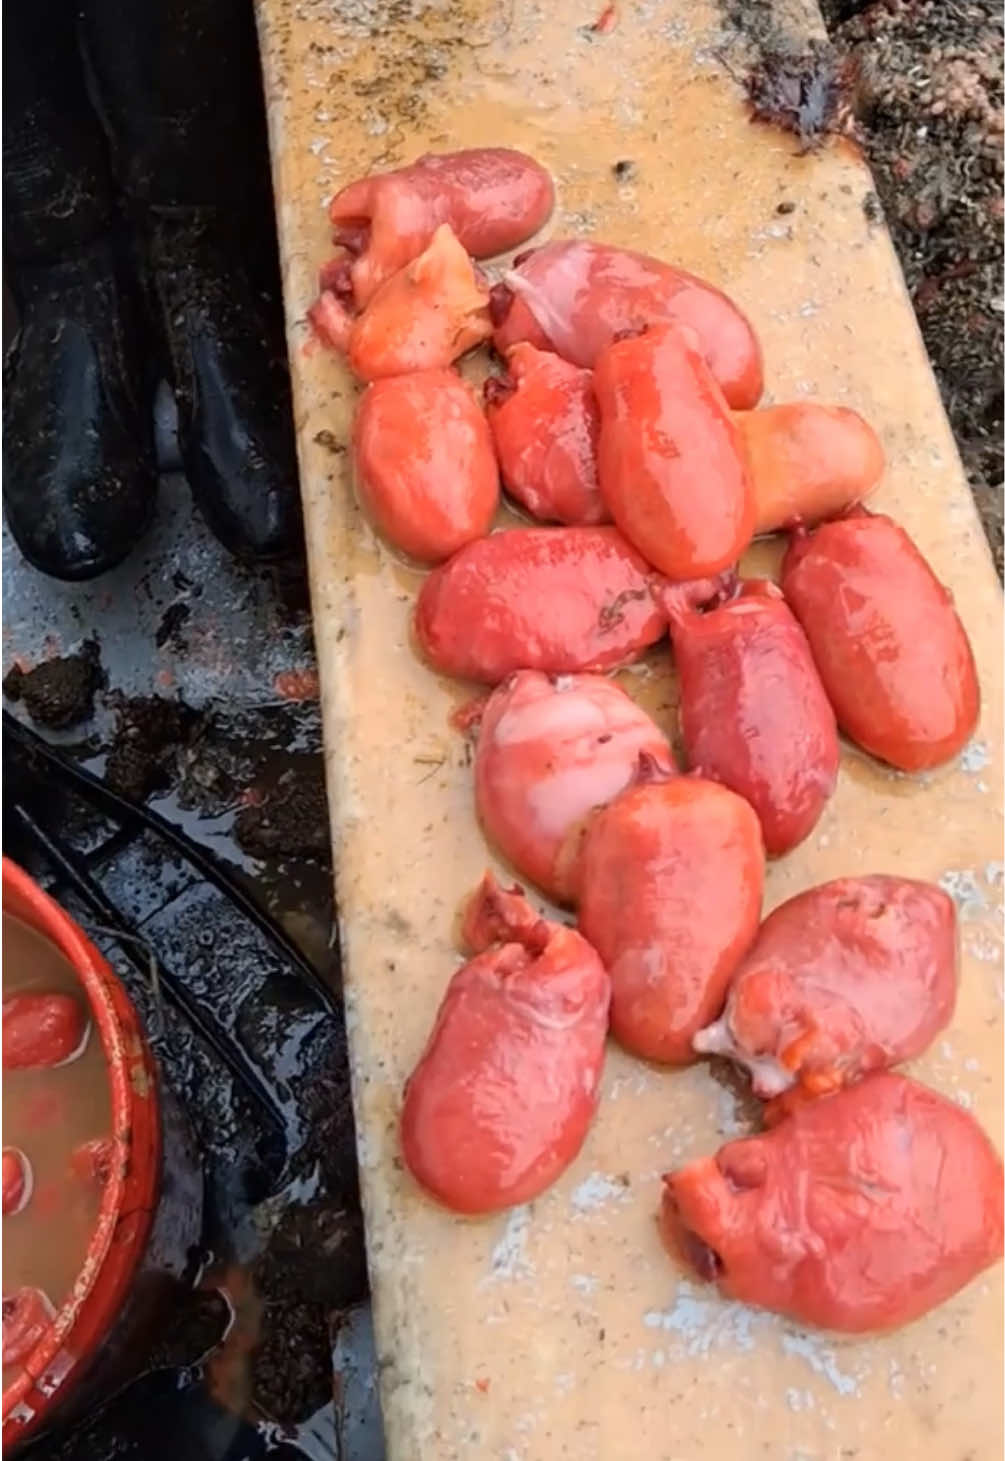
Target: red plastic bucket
139,1240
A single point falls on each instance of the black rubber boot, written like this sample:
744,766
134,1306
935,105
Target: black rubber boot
79,475
191,152
227,362
78,467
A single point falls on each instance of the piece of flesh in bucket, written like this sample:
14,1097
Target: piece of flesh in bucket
57,1119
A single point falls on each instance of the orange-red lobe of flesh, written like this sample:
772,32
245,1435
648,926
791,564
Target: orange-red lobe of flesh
807,461
550,751
575,297
424,317
860,1211
843,979
561,600
670,884
493,198
425,466
889,646
502,1097
41,1029
753,713
669,460
544,423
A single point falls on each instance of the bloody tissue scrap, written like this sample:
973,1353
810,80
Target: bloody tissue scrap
625,422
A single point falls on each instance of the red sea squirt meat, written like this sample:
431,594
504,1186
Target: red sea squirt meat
422,318
574,296
41,1029
808,461
27,1316
561,600
670,884
550,751
753,712
860,1211
845,978
425,466
669,460
630,393
16,1180
503,1095
544,423
493,198
888,644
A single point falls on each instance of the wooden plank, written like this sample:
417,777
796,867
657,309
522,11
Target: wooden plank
562,1330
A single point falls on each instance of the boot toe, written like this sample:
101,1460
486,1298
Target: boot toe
222,327
80,524
79,478
245,482
238,449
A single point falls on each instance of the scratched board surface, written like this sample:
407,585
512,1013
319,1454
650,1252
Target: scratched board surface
562,1330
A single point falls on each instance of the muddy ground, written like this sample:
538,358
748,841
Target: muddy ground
248,785
925,84
918,85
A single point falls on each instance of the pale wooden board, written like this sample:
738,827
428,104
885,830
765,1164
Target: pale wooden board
562,1330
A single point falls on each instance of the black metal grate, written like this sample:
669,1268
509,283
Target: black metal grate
247,1036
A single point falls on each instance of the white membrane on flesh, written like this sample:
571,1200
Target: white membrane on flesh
27,1181
768,1076
78,1052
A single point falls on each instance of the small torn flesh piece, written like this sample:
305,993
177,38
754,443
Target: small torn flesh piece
40,1030
859,1212
670,884
669,460
426,470
551,750
846,978
544,422
493,198
27,1314
424,317
753,712
331,321
502,1097
889,646
17,1181
560,600
807,462
575,297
